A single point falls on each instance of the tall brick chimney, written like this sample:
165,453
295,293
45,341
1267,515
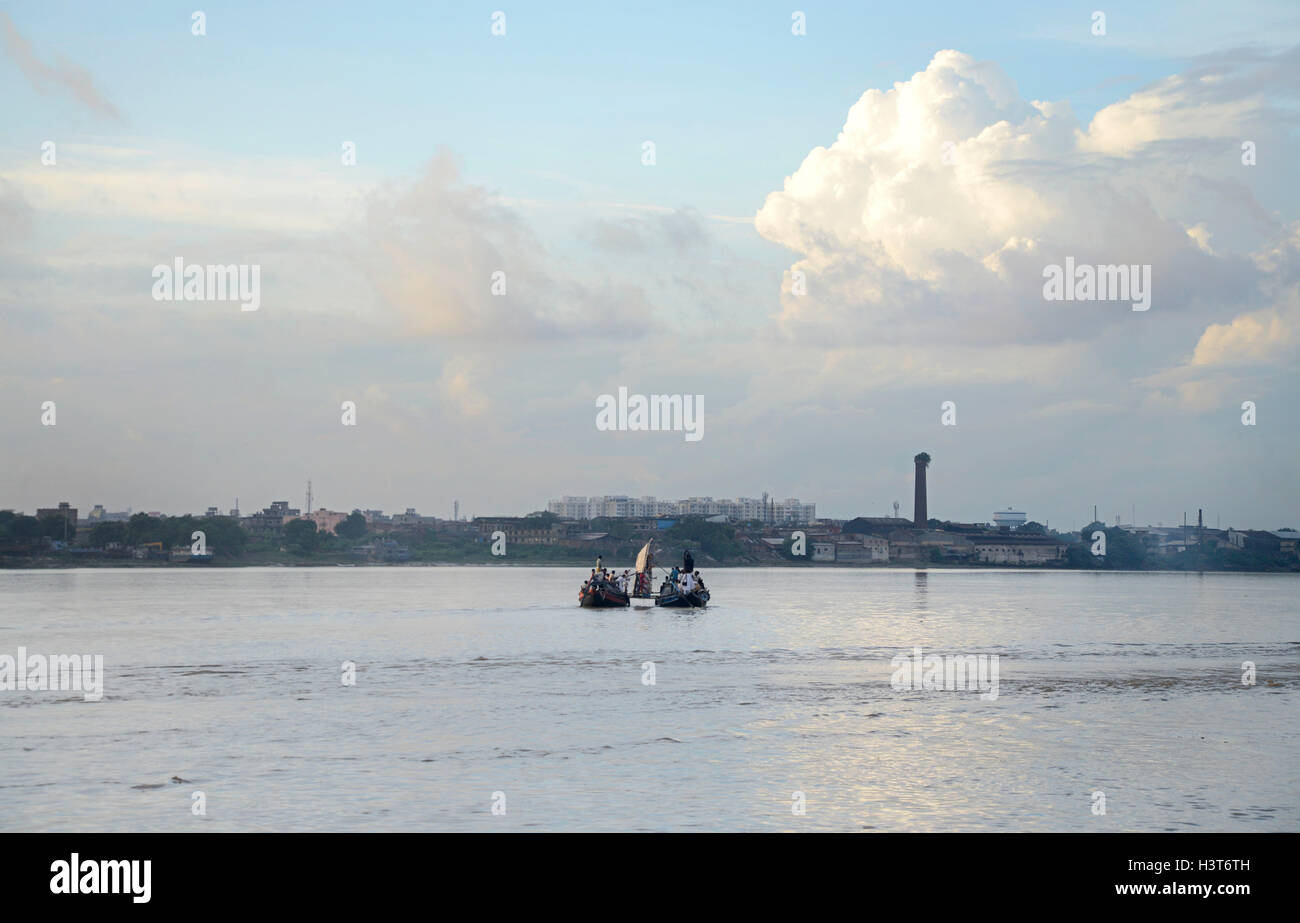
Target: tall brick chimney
921,518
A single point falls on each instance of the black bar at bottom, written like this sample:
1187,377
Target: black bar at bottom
336,871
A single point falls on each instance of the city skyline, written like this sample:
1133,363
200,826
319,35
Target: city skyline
1211,519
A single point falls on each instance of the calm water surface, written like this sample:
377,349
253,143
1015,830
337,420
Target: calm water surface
472,681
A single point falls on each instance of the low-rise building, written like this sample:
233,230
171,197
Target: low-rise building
98,514
1018,550
878,525
519,530
869,549
1288,542
1260,541
63,510
326,520
905,546
269,523
950,544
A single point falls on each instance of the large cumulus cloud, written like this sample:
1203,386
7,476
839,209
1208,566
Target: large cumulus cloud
932,215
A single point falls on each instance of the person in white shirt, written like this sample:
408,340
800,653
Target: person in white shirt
688,582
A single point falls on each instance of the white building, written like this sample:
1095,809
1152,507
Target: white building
1012,519
742,509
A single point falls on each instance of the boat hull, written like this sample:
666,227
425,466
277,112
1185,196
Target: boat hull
684,600
602,598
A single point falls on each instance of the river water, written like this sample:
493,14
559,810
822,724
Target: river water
482,687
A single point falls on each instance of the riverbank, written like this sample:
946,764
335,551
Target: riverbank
81,563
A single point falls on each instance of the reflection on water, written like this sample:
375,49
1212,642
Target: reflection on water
475,680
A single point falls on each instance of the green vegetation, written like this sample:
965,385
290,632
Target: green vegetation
301,537
17,528
223,536
715,539
787,552
352,528
1123,550
1224,557
145,540
103,534
621,529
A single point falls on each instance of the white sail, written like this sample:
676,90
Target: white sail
645,559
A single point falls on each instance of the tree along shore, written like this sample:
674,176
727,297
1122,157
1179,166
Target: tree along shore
151,541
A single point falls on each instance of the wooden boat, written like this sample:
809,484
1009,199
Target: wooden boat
606,595
602,596
697,599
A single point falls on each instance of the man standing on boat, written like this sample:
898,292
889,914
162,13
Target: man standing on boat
688,562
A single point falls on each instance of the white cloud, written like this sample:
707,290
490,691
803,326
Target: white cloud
1247,351
179,187
1249,338
461,387
452,260
933,214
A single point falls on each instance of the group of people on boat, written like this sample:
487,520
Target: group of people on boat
682,582
606,587
601,576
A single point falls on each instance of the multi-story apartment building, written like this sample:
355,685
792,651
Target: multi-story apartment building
270,521
742,509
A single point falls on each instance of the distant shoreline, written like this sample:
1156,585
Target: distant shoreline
48,565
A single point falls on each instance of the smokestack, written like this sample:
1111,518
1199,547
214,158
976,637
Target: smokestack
920,518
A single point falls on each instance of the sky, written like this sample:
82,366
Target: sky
841,231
